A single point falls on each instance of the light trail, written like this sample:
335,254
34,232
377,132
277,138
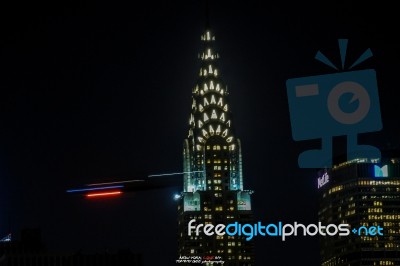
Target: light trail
104,194
92,189
118,184
181,173
112,183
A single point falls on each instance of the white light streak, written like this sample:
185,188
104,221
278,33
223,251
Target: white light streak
181,173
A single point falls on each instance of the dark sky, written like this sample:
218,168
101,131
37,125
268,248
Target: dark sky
95,91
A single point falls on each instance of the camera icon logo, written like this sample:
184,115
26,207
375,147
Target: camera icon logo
338,104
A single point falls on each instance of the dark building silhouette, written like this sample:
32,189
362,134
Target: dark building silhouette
30,251
363,193
213,189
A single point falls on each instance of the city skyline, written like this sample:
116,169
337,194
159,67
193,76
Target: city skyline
99,91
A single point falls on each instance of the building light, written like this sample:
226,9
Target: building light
214,114
211,129
191,121
177,197
7,238
208,53
220,102
381,171
205,117
212,101
218,131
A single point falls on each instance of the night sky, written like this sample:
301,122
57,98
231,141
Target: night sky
101,91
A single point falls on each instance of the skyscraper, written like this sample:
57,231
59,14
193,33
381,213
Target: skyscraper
362,193
213,190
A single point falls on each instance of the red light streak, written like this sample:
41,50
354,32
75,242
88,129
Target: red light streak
104,194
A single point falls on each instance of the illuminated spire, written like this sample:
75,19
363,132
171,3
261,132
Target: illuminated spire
210,122
210,104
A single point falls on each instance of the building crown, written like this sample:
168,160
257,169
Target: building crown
210,114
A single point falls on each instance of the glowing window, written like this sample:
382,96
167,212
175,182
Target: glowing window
208,53
218,131
213,100
205,117
222,118
211,129
214,115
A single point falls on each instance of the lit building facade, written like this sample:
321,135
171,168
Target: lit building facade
213,190
361,192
